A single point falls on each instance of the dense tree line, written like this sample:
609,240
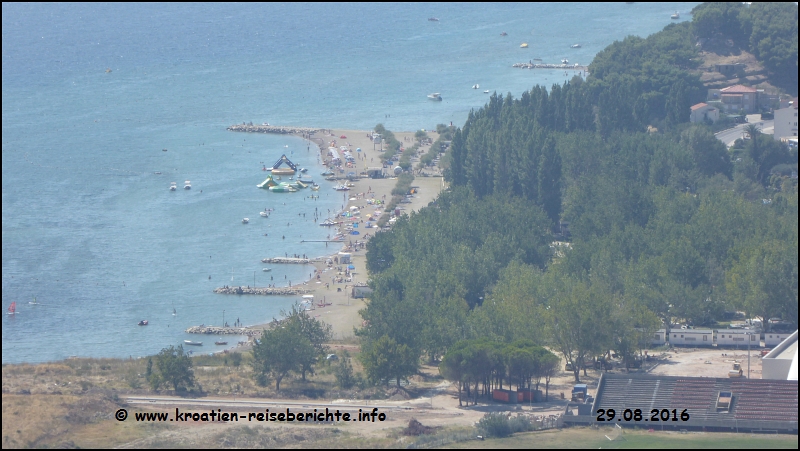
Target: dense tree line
667,226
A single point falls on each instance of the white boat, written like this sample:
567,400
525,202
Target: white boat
435,96
187,185
475,86
267,269
575,46
303,170
675,16
327,223
193,343
327,173
245,220
486,92
524,45
263,214
341,188
315,187
173,186
565,61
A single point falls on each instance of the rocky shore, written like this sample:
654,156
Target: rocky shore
264,291
216,330
250,128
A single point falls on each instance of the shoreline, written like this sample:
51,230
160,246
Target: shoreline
331,283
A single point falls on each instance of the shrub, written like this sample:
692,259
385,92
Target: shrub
494,425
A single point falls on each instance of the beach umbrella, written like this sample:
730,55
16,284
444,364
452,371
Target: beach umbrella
354,232
351,267
355,225
358,149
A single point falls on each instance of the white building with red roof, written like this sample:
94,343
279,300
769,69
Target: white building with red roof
702,112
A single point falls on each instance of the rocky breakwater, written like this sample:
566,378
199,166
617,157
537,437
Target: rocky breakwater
281,130
264,291
301,261
215,330
549,66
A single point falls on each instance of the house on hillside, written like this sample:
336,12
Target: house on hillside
703,111
786,121
736,98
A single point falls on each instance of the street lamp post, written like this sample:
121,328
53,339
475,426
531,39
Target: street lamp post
749,339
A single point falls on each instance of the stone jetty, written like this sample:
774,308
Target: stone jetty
549,66
264,291
282,130
216,330
301,261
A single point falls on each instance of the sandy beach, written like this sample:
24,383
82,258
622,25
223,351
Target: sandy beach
333,287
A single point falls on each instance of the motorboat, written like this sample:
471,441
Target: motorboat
675,16
315,187
245,220
504,34
220,343
486,91
263,214
157,173
433,19
193,343
267,269
303,170
341,188
187,185
435,96
524,45
575,46
173,186
565,61
475,86
143,322
327,173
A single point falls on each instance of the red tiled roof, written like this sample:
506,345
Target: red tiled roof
737,89
698,106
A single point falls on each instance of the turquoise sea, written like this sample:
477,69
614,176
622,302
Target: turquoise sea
93,233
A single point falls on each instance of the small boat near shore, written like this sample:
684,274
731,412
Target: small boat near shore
435,96
143,322
675,16
341,188
193,343
245,220
187,185
173,186
220,343
524,45
575,46
267,269
315,187
263,214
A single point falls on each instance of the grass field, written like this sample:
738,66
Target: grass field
634,439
